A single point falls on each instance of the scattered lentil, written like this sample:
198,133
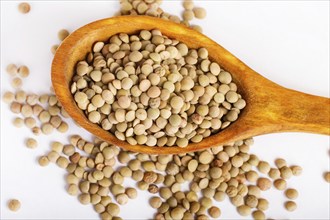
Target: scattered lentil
280,184
296,170
62,34
12,69
327,177
264,184
23,71
258,215
214,212
280,163
8,97
262,204
24,7
264,167
43,161
244,210
16,83
286,172
290,206
18,122
199,13
291,193
31,143
54,48
14,205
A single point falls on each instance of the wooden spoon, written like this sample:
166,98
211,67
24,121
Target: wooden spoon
270,108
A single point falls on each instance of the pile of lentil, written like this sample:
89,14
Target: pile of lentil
97,170
149,89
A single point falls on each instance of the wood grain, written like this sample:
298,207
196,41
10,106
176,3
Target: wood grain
270,107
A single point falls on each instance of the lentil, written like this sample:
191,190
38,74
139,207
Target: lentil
31,143
296,170
327,177
290,206
280,184
214,212
244,210
262,204
155,202
199,12
291,193
16,83
286,172
12,69
264,184
53,49
258,215
280,163
18,122
8,97
24,8
14,205
131,193
264,167
23,71
62,34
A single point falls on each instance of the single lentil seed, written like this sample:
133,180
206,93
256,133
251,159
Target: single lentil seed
199,13
43,161
327,177
290,206
23,71
16,83
214,212
280,184
296,170
24,7
8,97
18,122
291,193
244,210
14,205
258,215
12,69
31,143
264,184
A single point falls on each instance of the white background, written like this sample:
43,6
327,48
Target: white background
286,41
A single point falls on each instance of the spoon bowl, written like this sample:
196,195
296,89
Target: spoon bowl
270,108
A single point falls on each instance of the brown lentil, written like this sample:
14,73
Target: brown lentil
24,7
296,170
31,143
290,206
327,177
244,210
264,184
14,205
258,215
23,71
280,184
16,83
214,212
12,69
291,193
62,34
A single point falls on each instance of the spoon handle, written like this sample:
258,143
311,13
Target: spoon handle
307,113
297,111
